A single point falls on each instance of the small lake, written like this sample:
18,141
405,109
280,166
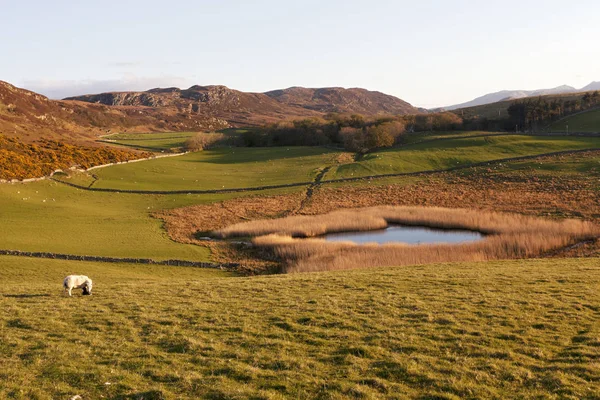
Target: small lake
406,234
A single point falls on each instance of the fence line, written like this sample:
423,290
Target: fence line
60,256
91,168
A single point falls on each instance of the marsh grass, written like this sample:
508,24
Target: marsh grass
496,330
509,236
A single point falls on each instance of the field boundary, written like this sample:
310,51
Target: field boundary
541,134
74,168
73,257
323,182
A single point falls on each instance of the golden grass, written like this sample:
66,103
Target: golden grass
509,236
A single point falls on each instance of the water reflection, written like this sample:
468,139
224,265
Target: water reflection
406,234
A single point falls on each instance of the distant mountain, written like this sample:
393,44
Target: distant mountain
591,86
511,94
335,99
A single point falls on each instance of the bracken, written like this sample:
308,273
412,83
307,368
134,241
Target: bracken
509,236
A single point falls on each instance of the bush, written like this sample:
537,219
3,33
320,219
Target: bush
204,141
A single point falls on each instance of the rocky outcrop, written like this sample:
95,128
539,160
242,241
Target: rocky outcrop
235,105
30,116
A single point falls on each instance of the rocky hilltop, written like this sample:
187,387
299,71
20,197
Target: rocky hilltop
241,107
238,108
31,116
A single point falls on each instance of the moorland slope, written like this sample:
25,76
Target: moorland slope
30,116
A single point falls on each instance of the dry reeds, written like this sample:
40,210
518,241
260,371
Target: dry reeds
509,236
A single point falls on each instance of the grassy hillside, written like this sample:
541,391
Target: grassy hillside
585,122
455,152
220,168
156,142
522,329
499,109
19,160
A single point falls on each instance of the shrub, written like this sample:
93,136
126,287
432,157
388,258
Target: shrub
204,141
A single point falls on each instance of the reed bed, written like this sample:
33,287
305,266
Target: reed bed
509,236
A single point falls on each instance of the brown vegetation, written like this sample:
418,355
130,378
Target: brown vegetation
495,189
20,160
510,236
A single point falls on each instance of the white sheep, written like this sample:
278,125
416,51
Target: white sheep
78,282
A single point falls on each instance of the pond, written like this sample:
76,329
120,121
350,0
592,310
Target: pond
406,234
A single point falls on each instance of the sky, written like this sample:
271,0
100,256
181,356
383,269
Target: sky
428,52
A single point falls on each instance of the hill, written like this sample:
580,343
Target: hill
511,95
250,108
30,116
342,100
499,110
237,108
591,86
588,122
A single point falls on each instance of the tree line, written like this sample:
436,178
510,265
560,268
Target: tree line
530,114
353,132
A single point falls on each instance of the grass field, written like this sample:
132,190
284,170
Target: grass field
223,168
585,122
416,137
455,152
520,329
49,216
164,141
152,141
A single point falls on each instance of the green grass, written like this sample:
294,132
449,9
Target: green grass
575,165
518,329
49,216
416,137
456,152
152,141
499,110
586,122
223,168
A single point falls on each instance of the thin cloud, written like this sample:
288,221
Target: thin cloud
128,64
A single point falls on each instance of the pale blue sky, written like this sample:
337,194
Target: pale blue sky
427,52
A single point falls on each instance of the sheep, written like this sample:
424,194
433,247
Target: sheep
78,282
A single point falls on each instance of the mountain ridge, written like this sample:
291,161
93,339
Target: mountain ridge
505,95
321,100
30,116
